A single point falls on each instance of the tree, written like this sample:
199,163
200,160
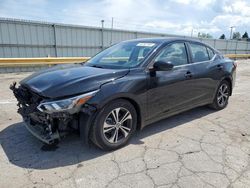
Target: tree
222,36
209,36
205,35
245,36
236,35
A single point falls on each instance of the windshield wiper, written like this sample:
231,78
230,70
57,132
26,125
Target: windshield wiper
97,66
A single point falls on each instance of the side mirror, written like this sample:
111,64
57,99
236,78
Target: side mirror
163,66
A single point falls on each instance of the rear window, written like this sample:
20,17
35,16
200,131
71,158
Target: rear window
199,53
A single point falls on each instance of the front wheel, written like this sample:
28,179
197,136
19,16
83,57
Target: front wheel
222,95
114,125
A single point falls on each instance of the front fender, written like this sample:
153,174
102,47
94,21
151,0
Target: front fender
132,88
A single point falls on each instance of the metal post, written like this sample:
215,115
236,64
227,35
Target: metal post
111,32
102,34
231,33
236,47
226,46
55,43
192,32
247,47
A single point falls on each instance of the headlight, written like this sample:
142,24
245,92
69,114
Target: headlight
65,104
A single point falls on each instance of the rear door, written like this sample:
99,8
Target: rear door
205,71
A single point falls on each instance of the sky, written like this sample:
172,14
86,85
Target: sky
181,17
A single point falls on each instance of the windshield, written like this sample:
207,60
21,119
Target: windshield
122,55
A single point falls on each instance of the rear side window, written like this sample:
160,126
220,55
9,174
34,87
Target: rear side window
199,53
210,53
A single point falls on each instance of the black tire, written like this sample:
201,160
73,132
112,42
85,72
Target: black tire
217,104
101,138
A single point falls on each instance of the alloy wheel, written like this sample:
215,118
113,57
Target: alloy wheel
223,94
117,125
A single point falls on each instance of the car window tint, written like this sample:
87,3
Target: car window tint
143,52
123,55
174,53
199,53
210,53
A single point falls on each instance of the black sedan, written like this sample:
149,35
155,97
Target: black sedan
124,88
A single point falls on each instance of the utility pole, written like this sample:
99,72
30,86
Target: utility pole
102,21
192,32
231,32
111,33
102,34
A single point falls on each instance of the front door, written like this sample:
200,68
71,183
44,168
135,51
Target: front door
171,91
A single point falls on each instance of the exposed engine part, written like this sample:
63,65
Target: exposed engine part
46,127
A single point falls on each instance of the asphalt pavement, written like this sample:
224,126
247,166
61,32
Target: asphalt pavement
198,148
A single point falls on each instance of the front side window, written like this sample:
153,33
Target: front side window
199,53
122,55
174,53
210,53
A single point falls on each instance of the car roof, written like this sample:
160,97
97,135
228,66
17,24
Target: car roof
164,39
161,40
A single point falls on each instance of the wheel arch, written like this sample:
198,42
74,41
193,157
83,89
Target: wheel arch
86,131
229,80
137,109
135,104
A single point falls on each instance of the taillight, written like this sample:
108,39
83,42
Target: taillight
235,64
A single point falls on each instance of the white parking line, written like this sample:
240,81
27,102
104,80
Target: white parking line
8,102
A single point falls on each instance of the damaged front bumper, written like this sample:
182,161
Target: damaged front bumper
41,134
48,127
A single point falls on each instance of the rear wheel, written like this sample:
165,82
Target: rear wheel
114,125
222,95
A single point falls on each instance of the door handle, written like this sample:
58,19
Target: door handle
188,74
219,67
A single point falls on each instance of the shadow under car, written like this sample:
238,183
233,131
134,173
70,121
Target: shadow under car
25,151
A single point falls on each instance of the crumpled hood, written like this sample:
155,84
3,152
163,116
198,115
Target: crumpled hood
72,79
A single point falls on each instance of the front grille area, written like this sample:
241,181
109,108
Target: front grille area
46,127
27,103
25,95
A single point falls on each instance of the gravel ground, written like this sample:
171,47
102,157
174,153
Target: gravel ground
198,148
